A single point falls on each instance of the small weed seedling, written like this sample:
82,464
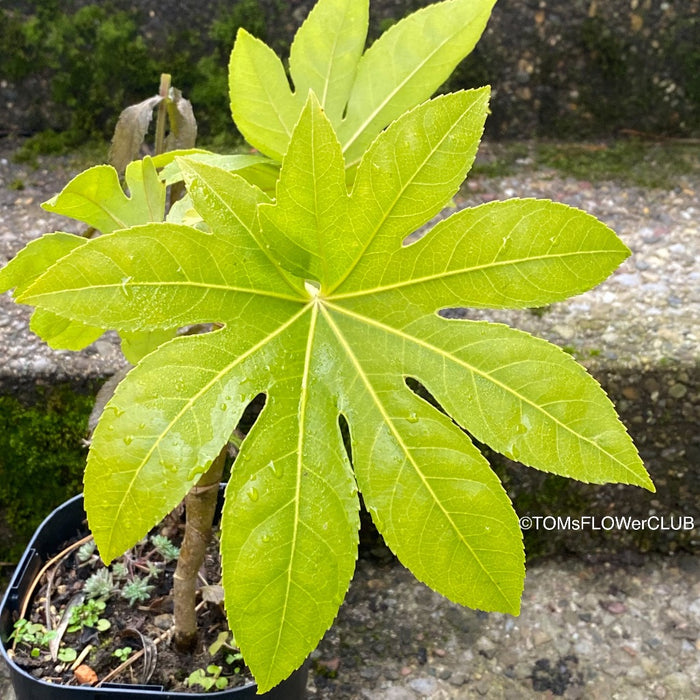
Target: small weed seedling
226,644
33,635
88,614
67,655
123,653
209,679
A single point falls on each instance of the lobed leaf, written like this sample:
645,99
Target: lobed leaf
229,205
430,492
393,196
61,333
157,276
523,396
290,519
360,93
35,258
311,201
136,345
144,460
96,197
406,65
332,322
511,254
27,266
257,170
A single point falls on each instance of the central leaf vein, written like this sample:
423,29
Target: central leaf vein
442,275
303,401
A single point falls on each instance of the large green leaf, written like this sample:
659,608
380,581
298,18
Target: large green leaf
360,93
33,260
61,333
258,170
311,200
545,252
322,308
96,197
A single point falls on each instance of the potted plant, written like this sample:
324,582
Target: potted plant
297,266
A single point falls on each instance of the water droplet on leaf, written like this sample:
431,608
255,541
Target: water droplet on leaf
128,439
196,471
412,418
253,494
170,466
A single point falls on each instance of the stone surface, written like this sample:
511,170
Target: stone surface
558,67
612,622
584,651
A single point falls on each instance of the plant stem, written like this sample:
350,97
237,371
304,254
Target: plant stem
200,506
162,115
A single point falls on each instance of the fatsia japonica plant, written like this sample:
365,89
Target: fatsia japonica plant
316,298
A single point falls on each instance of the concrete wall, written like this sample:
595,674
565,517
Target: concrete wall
558,68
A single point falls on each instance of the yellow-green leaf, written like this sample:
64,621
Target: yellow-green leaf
361,93
319,305
95,197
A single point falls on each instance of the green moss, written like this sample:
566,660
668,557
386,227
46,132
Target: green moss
47,142
42,457
649,164
631,161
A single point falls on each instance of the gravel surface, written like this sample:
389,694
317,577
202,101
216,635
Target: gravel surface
594,626
27,359
654,294
587,629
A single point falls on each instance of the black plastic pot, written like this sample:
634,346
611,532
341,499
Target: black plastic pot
64,523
